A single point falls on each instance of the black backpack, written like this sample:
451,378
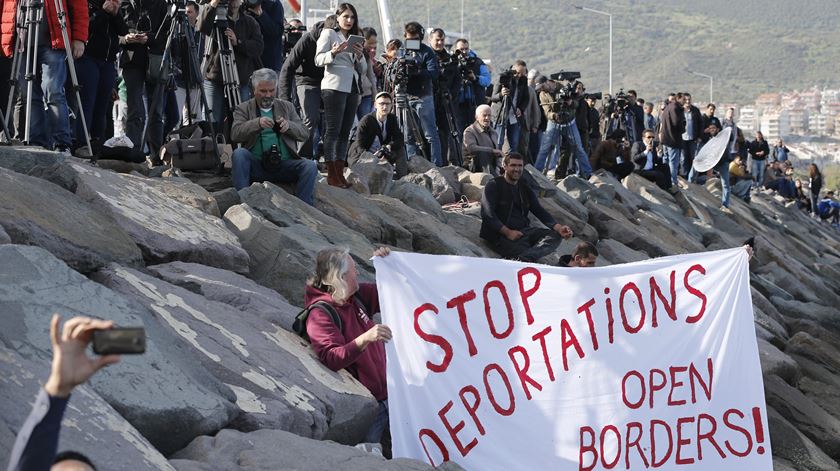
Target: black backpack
299,325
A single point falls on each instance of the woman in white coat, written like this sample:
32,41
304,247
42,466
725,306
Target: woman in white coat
340,88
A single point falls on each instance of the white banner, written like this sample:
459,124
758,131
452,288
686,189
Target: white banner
501,365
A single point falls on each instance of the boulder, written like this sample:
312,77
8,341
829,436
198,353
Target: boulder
440,186
34,212
226,198
428,234
23,159
376,174
452,175
472,192
791,445
604,180
803,344
416,198
97,429
282,258
477,178
163,228
187,192
570,204
360,214
611,224
121,166
418,164
276,450
152,391
539,182
278,381
285,210
648,191
469,227
582,190
4,238
618,252
790,280
813,421
777,362
229,288
579,226
823,315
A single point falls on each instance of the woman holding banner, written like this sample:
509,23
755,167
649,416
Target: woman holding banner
351,341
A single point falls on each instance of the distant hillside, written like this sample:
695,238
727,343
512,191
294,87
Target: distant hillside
749,46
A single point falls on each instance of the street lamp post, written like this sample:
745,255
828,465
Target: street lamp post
462,17
711,84
611,37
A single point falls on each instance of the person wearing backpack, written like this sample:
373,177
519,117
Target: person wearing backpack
355,342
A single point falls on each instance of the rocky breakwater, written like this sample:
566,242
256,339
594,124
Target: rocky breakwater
216,279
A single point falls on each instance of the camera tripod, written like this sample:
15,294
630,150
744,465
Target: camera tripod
408,121
227,60
28,36
502,120
181,33
454,136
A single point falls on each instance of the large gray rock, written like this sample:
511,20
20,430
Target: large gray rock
417,198
604,180
417,164
92,427
812,420
648,191
428,234
288,211
580,227
282,258
23,159
4,238
229,288
791,445
165,229
468,227
777,362
542,185
187,192
583,191
377,174
275,450
440,186
803,344
226,198
610,223
360,214
823,315
35,212
618,252
152,391
791,281
278,381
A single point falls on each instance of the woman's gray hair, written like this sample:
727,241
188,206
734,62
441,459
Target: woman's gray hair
330,267
263,75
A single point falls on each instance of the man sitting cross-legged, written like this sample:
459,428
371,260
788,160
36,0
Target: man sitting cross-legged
505,205
270,132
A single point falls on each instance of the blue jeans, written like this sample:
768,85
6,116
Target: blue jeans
689,150
722,168
215,94
534,146
96,78
425,109
757,170
673,156
50,121
552,140
512,133
365,106
377,428
245,169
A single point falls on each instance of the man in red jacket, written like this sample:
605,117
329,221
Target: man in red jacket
50,128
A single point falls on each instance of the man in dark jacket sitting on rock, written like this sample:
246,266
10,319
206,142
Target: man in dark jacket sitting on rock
505,205
270,131
379,133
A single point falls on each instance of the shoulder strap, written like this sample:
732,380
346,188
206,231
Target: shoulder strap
299,324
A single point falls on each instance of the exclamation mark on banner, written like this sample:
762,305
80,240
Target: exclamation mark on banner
759,430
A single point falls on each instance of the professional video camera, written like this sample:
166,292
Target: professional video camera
221,20
407,63
621,101
565,76
594,96
291,35
506,78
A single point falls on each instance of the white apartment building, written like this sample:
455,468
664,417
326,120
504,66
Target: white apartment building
775,124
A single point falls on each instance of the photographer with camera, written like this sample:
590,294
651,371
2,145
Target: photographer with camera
269,15
560,104
37,440
475,78
344,65
270,131
243,33
421,67
613,155
300,75
379,133
446,88
510,97
594,120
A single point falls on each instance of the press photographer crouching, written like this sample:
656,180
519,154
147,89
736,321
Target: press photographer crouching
379,133
270,131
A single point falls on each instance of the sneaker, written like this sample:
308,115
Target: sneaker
63,150
372,448
726,210
84,152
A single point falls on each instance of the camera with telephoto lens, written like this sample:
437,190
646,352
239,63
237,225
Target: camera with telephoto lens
594,96
291,36
384,152
565,76
621,100
466,63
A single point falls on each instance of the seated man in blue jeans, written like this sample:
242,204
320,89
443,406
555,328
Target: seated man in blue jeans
270,132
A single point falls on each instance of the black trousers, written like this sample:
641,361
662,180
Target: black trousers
534,244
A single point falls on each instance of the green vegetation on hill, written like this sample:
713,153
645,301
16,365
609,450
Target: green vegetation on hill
749,46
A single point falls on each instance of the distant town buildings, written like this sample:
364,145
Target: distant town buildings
813,112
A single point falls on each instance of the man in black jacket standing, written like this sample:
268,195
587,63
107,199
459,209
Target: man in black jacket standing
380,134
301,76
692,135
671,129
421,92
505,205
514,85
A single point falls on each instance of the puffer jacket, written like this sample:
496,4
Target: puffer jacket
77,23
